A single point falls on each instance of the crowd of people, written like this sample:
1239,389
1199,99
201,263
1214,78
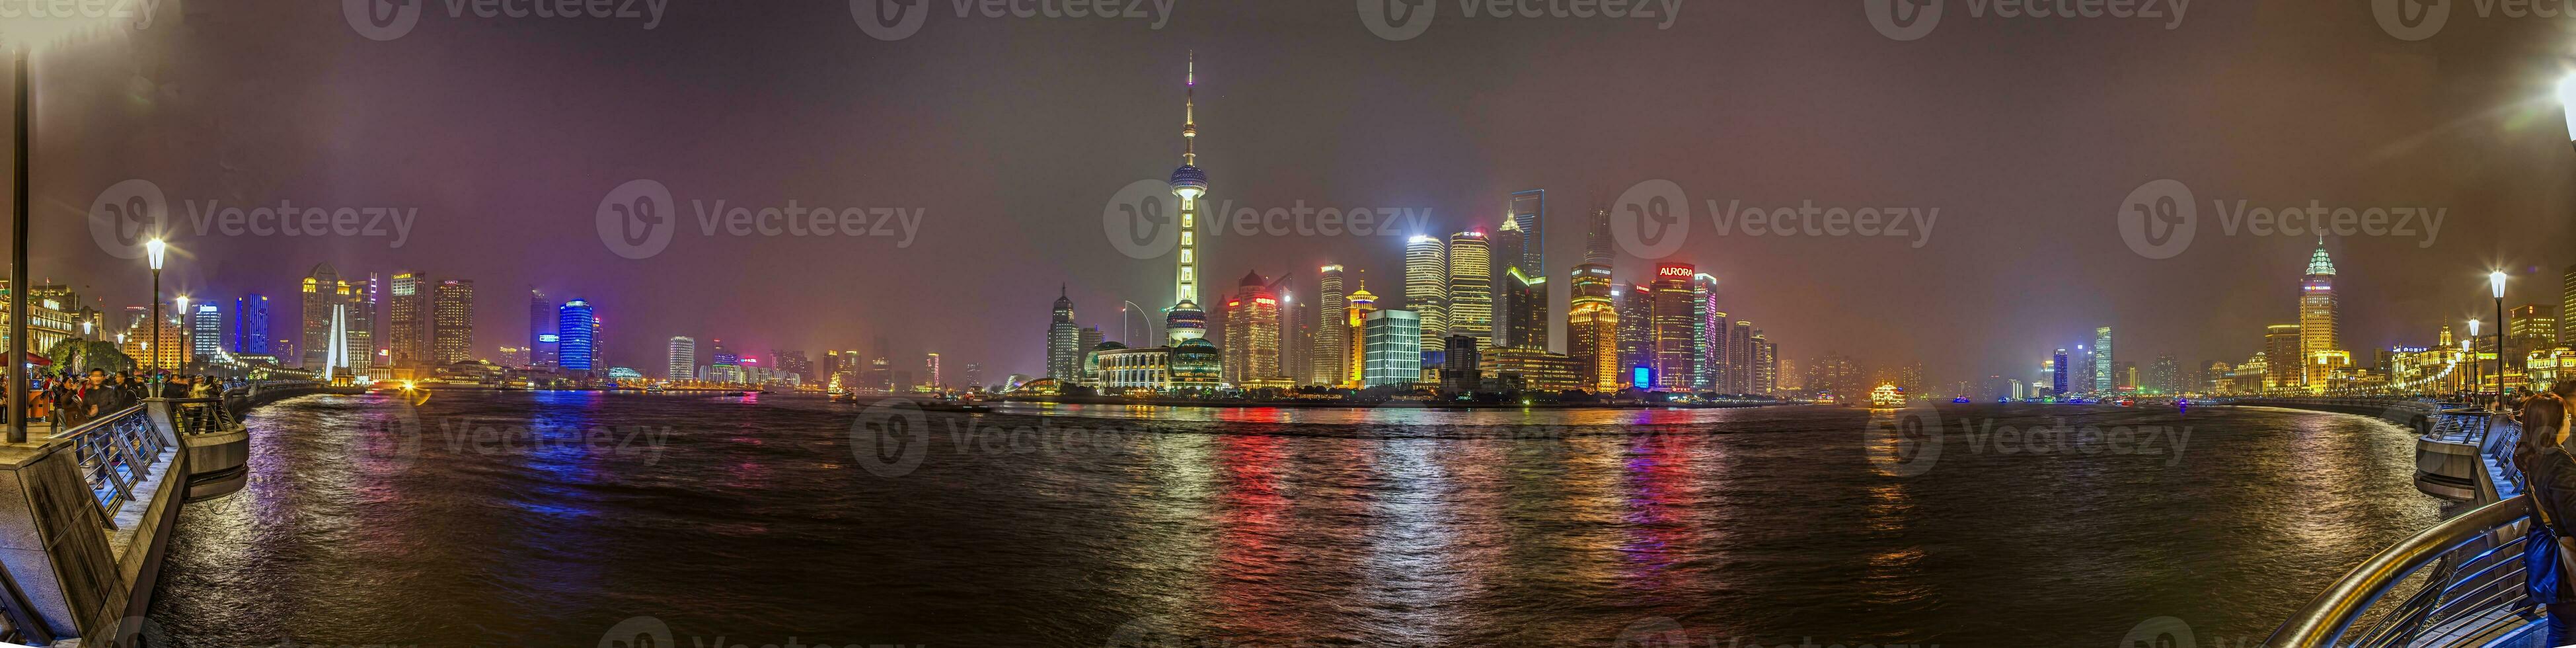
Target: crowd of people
72,399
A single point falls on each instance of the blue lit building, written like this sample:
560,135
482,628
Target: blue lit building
576,333
250,325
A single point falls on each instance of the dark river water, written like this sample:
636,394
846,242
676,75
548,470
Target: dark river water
583,519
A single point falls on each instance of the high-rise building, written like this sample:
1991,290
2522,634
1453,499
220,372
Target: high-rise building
365,306
1592,328
1426,287
930,367
407,317
1528,210
1393,353
1766,366
2530,327
541,329
1458,363
1252,332
1636,306
1526,317
2057,373
325,319
1597,243
1740,371
1331,359
575,329
684,358
1471,287
1355,336
1507,244
793,363
1676,352
1187,321
205,330
2102,360
2281,357
1064,347
2567,308
1706,323
250,325
2165,376
2319,317
452,322
974,375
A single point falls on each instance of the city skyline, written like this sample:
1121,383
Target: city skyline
2061,250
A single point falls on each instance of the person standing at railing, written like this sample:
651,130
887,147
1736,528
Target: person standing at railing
2549,553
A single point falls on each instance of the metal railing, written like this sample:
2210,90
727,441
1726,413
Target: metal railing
193,416
116,452
2466,577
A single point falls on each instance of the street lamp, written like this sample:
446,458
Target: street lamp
2567,103
2495,283
184,350
2471,346
155,249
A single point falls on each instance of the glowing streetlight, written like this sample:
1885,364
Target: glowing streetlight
2495,285
155,250
183,333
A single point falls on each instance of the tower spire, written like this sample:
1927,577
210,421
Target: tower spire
1190,113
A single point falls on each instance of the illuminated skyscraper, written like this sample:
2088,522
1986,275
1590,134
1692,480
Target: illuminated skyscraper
205,330
1529,213
2102,379
1525,317
930,367
250,324
1331,359
2057,366
1636,306
541,329
2319,318
1252,332
1186,321
1507,244
2281,357
1393,352
684,358
2567,308
1064,347
1706,322
1426,287
1676,353
325,316
1740,368
1355,336
2531,327
407,315
1766,366
575,329
1471,287
1592,328
452,322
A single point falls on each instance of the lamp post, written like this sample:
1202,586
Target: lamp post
2471,346
186,352
2495,283
154,249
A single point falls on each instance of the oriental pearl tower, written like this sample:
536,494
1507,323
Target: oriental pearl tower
1185,321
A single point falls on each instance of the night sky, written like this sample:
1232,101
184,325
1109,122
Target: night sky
1010,135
